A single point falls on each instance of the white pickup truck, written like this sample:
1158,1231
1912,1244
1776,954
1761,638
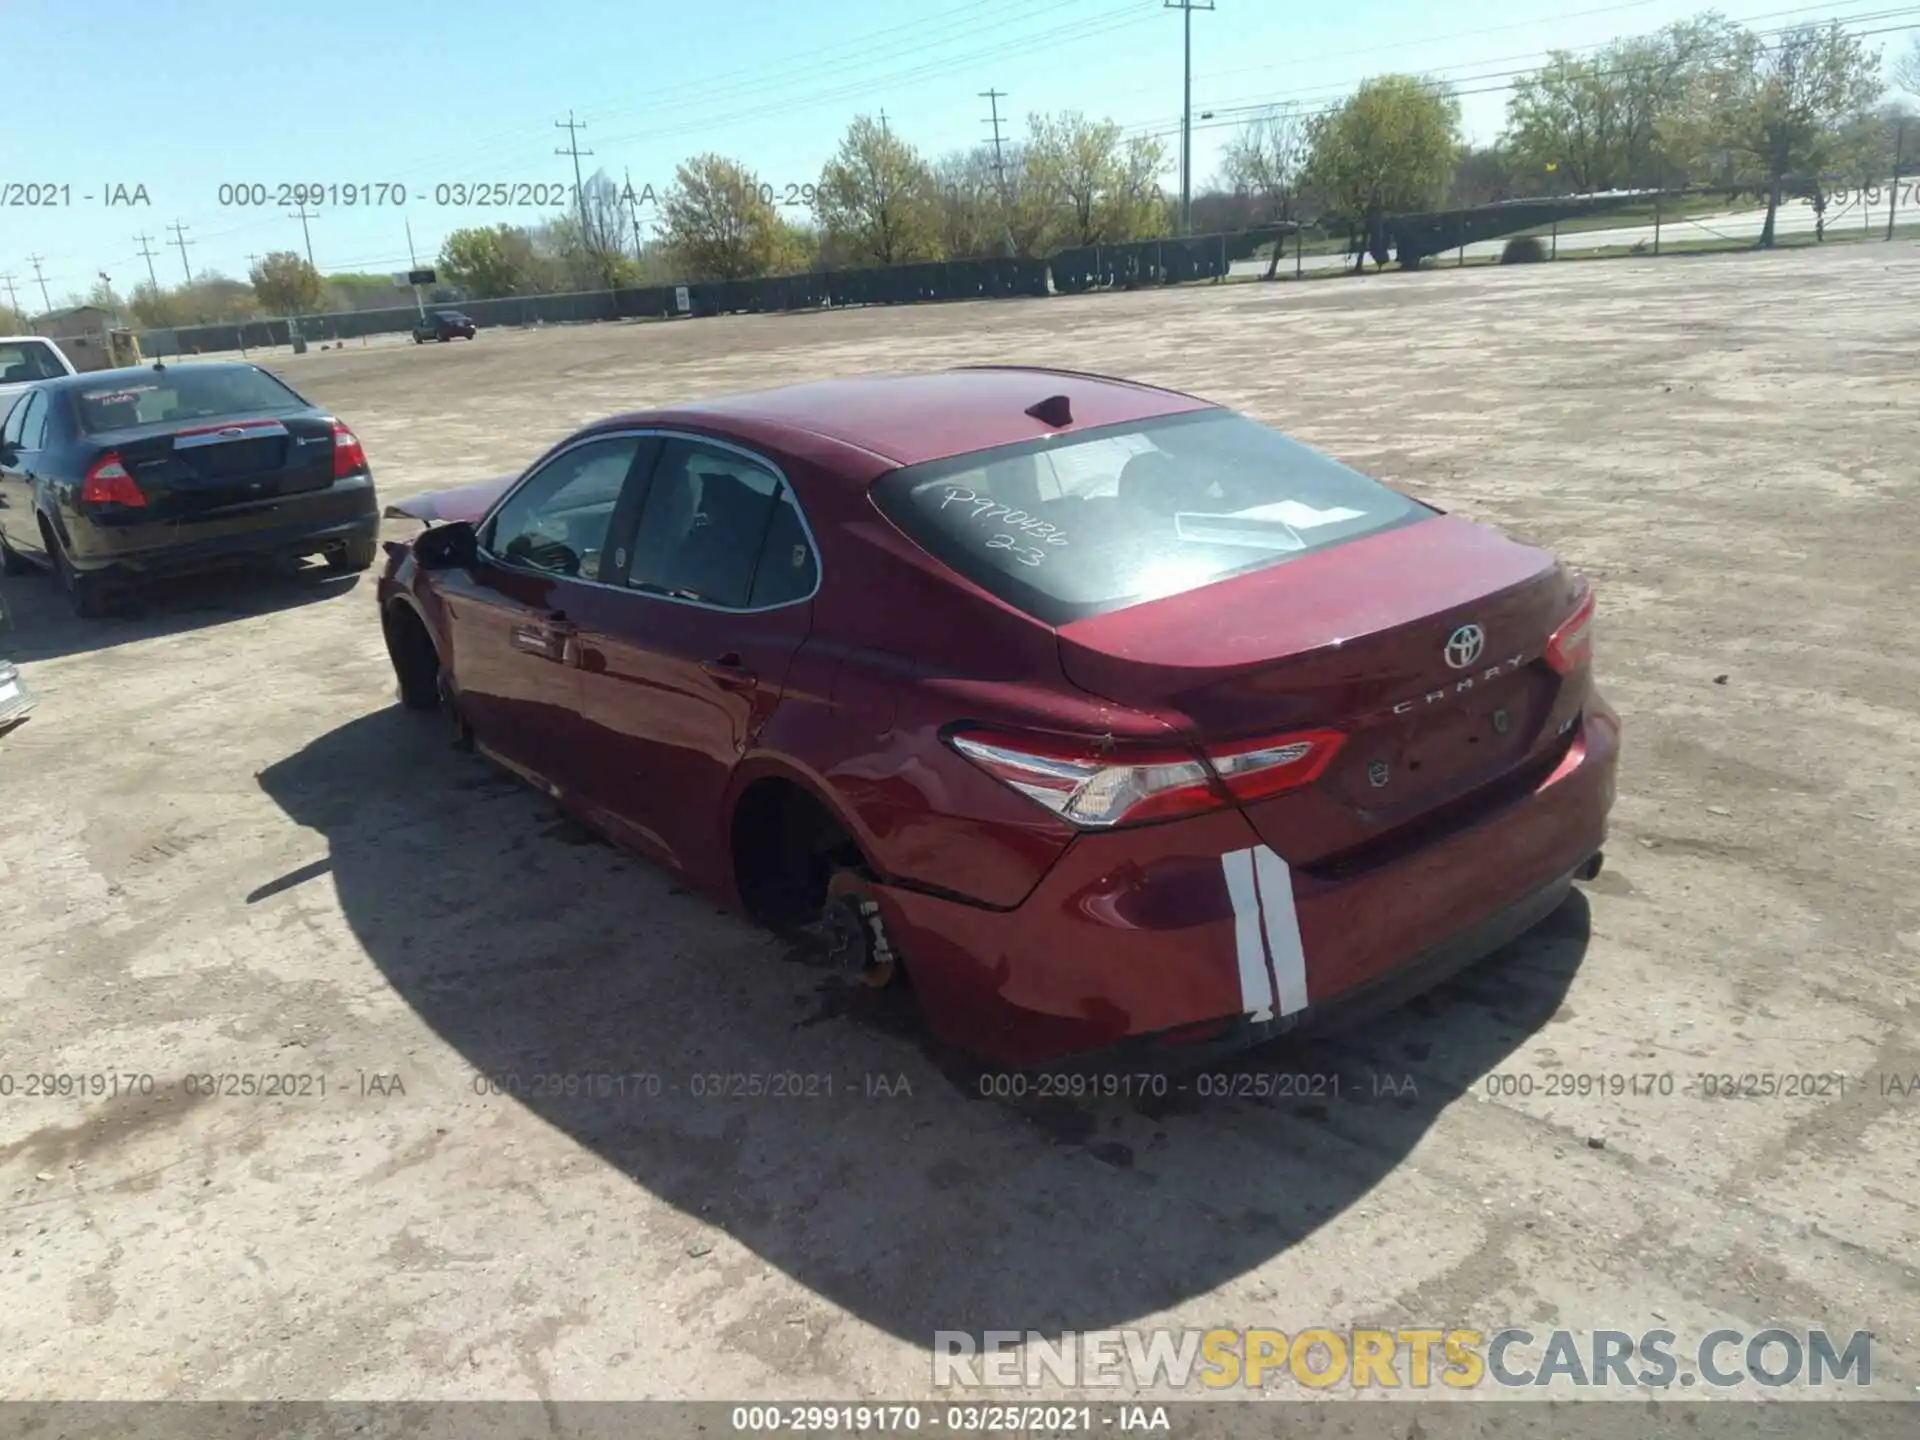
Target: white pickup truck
25,359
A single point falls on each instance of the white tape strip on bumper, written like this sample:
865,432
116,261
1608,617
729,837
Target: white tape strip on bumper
1266,932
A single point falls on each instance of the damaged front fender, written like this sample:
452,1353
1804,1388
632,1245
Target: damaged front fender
465,502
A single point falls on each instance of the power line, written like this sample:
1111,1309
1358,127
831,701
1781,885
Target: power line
1343,89
146,254
180,239
1507,79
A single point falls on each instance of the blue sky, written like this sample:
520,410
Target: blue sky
354,91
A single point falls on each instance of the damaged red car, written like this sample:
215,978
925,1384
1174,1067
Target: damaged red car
1115,724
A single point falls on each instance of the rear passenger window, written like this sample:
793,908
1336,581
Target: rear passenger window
706,529
33,424
787,571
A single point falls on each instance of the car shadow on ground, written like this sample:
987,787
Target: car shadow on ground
39,624
904,1196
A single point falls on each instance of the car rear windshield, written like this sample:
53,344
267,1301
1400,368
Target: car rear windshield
1078,525
183,394
24,361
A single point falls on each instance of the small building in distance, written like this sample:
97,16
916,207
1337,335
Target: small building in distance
82,332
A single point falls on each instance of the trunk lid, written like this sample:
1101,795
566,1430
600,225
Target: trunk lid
225,467
1376,639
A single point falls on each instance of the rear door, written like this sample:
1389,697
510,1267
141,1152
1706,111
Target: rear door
512,618
683,665
17,515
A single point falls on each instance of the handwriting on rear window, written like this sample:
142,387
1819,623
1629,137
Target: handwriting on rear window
1025,554
985,508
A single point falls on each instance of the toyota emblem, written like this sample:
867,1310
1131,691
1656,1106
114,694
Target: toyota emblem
1464,646
1378,773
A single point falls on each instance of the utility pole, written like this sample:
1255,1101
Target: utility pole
13,295
180,239
303,217
883,125
413,261
146,254
1899,147
570,125
1186,9
633,214
993,99
34,260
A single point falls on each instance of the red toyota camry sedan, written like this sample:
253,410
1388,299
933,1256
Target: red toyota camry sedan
1114,723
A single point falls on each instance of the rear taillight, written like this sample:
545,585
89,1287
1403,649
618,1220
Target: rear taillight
1255,769
109,483
1099,788
1572,644
349,458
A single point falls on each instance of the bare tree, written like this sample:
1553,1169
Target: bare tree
1906,70
1263,162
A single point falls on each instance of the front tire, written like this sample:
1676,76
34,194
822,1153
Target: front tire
416,663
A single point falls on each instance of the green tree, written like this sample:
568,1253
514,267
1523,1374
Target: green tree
287,284
719,222
972,219
1785,106
489,263
1095,187
1618,118
878,200
1388,149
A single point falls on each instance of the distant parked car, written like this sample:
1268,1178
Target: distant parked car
109,477
444,325
25,359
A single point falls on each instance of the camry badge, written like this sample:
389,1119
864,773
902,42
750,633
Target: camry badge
1464,646
1378,773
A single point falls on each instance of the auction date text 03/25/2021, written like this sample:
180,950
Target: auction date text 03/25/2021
369,194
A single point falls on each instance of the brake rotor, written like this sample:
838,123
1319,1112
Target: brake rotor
857,939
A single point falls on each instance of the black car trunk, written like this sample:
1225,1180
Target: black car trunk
201,471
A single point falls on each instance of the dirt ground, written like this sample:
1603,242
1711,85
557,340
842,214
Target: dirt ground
225,850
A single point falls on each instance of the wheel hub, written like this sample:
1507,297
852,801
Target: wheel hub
856,936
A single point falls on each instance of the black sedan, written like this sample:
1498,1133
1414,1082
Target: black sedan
444,325
116,475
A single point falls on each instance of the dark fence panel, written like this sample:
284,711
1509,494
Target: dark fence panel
994,277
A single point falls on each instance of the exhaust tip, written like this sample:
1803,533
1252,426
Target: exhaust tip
1590,869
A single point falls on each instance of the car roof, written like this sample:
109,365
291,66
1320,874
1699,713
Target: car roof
915,418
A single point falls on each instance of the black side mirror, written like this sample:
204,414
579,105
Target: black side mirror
454,546
8,455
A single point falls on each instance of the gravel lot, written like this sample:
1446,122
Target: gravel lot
227,850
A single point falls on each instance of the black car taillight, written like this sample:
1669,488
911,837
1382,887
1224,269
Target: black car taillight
109,482
349,457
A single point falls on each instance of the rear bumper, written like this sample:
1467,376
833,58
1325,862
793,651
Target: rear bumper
1189,938
302,525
